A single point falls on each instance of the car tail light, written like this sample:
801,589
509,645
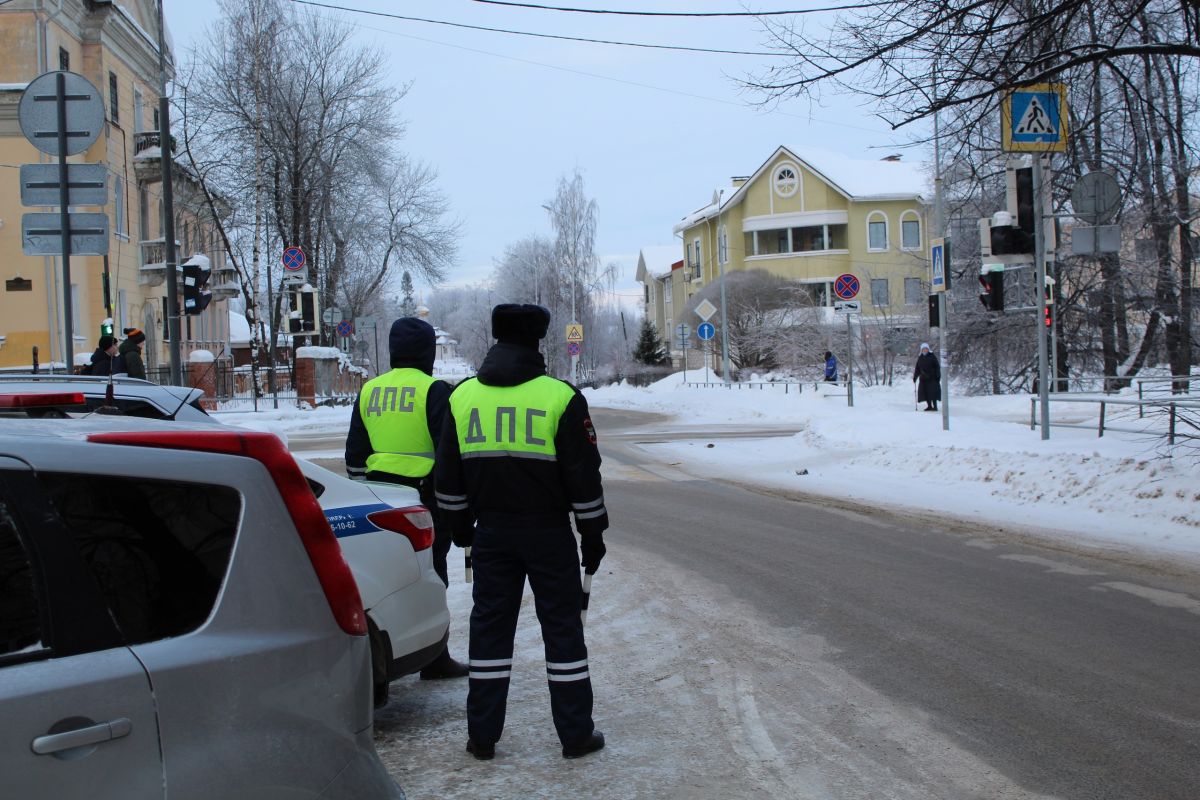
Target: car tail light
322,547
41,400
415,522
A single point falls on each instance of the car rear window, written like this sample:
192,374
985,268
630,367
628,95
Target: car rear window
159,550
20,626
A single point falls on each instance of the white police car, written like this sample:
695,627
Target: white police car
387,538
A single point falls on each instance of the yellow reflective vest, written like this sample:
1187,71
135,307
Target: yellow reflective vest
515,421
393,410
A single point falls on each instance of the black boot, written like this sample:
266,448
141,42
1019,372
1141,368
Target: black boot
483,752
591,744
444,667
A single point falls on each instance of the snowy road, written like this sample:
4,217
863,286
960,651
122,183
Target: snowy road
745,645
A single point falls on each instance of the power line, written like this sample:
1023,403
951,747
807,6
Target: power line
447,23
682,13
612,79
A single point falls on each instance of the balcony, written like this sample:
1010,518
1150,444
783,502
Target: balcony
153,271
147,155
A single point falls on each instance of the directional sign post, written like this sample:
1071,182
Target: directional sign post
846,287
62,114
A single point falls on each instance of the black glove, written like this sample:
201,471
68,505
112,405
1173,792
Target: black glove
592,545
463,535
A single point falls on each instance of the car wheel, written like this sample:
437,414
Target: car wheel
380,658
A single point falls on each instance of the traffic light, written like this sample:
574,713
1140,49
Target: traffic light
992,290
1011,231
106,327
196,273
935,319
1047,317
304,314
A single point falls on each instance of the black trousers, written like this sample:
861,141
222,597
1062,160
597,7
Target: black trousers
503,558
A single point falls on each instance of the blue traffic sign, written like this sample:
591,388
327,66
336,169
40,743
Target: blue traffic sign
293,259
846,286
1034,119
706,331
345,328
937,264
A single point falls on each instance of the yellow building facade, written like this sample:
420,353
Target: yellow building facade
808,222
112,45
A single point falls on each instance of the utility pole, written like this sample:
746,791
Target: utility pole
166,156
724,318
939,226
1039,262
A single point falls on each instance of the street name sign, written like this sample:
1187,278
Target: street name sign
42,234
1033,119
87,185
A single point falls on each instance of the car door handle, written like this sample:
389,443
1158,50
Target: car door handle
81,737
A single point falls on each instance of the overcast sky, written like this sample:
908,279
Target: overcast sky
501,117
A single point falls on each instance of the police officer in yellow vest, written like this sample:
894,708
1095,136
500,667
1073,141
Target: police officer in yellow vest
397,418
517,456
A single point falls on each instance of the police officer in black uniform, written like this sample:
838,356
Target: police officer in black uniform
517,456
394,428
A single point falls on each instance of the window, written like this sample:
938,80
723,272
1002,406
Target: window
723,245
786,180
646,289
667,290
910,232
114,98
914,293
158,549
689,261
877,232
20,620
122,310
879,292
808,239
157,127
119,213
696,263
138,111
143,214
75,309
64,59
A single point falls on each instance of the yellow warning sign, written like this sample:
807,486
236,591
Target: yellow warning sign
575,333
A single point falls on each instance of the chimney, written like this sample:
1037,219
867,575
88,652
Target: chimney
738,180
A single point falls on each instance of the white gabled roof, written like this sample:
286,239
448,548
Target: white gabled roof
857,179
655,261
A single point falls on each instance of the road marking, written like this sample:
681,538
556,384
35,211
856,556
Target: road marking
1052,566
1160,597
983,544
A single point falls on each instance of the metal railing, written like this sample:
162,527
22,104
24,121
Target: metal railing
1179,413
748,385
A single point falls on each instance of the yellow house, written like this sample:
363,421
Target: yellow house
114,46
811,221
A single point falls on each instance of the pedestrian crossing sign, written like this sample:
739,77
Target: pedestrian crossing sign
937,261
1033,119
575,333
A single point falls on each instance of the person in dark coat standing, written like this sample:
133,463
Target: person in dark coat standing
830,367
107,360
131,353
517,457
929,373
394,430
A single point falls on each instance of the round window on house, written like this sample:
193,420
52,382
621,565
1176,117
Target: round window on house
787,180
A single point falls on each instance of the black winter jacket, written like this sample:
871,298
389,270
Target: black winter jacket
517,492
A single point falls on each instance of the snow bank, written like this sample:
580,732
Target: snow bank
1119,490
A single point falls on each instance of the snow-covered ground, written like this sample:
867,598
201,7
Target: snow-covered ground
1124,489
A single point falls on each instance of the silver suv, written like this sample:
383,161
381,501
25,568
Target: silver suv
176,619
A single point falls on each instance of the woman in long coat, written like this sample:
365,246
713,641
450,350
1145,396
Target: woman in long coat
929,373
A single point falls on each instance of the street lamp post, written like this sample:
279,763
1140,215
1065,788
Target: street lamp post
717,195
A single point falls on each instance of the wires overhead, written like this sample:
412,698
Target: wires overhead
447,23
792,12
